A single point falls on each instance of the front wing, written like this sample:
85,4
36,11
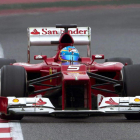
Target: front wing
39,105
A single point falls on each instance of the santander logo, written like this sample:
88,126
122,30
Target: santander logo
35,32
76,31
40,102
53,31
111,102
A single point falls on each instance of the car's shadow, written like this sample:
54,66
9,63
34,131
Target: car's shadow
91,119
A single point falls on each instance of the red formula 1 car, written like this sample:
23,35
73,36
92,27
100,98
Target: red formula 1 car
66,83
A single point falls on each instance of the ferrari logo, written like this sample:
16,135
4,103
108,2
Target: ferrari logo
111,102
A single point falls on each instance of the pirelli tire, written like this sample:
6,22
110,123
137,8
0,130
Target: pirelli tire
131,85
4,61
122,60
13,83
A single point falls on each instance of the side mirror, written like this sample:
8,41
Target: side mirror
40,57
97,56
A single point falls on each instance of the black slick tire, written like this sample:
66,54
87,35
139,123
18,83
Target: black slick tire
131,85
13,83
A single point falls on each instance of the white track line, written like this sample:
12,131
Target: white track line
1,52
16,132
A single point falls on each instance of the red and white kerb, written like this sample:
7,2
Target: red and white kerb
10,130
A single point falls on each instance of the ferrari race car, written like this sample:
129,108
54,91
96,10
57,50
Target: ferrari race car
68,84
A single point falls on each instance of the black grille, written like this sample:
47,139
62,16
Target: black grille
75,96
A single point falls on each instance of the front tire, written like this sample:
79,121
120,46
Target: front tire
13,83
131,80
131,84
132,116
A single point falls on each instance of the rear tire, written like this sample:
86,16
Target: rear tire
121,60
13,83
131,84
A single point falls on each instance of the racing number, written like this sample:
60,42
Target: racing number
73,68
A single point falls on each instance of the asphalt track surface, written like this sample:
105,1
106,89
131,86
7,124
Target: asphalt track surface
115,33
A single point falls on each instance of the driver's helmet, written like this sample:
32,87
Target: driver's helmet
69,53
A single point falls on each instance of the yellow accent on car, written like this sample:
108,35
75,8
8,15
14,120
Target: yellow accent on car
50,72
137,100
15,100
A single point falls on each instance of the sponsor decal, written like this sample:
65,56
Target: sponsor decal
76,31
35,32
40,102
46,31
50,72
137,100
111,102
15,100
73,68
49,32
72,50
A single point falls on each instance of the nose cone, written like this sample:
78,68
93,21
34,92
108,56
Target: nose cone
74,73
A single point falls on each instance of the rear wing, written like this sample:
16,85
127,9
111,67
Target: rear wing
48,36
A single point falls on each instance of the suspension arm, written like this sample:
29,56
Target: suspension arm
36,82
96,85
39,84
42,90
44,77
103,78
105,90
